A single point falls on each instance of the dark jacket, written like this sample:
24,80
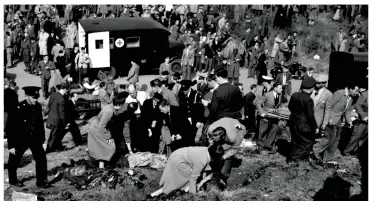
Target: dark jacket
10,111
46,73
57,110
31,121
71,112
192,106
302,117
226,102
178,123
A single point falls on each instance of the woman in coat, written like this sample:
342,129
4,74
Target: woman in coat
184,167
276,45
71,33
43,39
101,145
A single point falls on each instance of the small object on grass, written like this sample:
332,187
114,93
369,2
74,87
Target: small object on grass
20,196
130,172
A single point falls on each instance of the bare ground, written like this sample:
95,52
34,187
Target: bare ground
256,177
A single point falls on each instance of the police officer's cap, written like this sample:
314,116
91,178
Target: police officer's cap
186,84
32,91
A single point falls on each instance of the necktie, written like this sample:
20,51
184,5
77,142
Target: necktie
316,92
276,100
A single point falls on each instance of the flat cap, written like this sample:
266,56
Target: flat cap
308,83
321,77
267,78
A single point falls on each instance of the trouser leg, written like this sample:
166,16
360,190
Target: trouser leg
55,137
13,164
227,167
40,158
75,132
357,133
331,131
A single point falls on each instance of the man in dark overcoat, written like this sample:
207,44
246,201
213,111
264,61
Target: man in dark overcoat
302,122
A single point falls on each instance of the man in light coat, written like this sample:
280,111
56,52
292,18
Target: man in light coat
187,62
133,74
322,99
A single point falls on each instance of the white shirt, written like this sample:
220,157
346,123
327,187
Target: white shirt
284,79
141,97
275,94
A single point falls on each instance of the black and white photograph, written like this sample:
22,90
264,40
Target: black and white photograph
185,102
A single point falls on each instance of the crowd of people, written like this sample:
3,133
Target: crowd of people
199,130
34,31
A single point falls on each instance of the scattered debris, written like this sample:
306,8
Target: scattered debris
66,195
20,196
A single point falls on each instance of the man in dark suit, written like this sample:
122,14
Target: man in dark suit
284,80
226,100
153,118
268,127
302,122
71,116
191,104
360,131
57,120
249,109
178,125
30,136
45,66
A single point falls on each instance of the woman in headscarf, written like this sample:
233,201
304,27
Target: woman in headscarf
184,167
101,144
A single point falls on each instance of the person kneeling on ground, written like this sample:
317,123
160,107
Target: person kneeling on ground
184,167
229,133
100,142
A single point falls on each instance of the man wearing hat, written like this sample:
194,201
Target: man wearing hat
267,84
191,104
340,113
302,122
31,136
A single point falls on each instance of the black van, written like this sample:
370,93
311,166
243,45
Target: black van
115,42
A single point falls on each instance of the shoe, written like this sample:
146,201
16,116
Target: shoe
273,150
17,184
43,185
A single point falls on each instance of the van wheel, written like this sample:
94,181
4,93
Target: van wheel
176,66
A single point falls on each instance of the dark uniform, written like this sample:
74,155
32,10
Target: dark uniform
31,136
191,104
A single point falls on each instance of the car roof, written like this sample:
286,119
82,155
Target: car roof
121,24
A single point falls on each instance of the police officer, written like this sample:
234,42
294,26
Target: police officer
31,136
191,104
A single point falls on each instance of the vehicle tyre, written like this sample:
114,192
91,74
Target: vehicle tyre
176,66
